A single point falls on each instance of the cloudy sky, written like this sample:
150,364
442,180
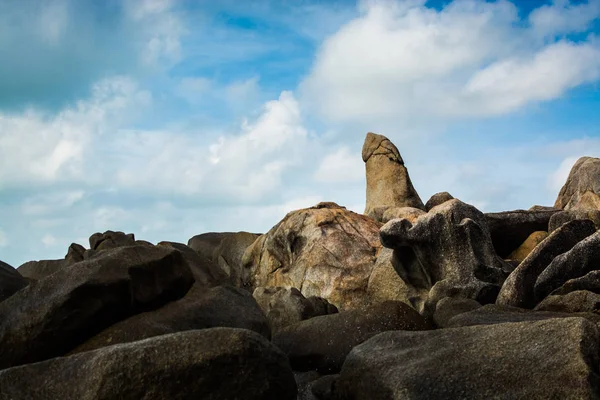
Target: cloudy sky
173,118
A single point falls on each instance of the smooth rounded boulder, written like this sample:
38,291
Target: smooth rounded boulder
582,188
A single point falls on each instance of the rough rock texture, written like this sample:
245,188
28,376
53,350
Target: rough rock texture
325,251
457,261
582,189
51,316
74,254
589,282
511,228
322,343
217,364
409,213
287,306
450,307
437,199
206,243
206,272
385,283
388,183
521,252
228,256
543,208
40,269
518,289
552,359
110,240
201,308
11,281
562,217
572,302
581,259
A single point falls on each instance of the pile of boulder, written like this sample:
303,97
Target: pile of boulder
409,300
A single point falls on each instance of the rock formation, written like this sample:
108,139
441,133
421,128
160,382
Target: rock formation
582,189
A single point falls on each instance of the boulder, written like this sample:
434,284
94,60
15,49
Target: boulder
388,183
509,229
551,359
218,364
385,283
589,282
286,306
205,271
228,256
325,251
582,189
562,217
75,254
521,252
201,308
457,261
409,213
450,307
518,288
322,343
206,243
37,270
53,315
573,302
584,257
11,281
437,199
110,240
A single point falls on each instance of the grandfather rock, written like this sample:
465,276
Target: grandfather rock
11,281
437,199
582,189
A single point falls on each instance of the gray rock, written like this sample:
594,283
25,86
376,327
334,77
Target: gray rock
562,217
582,189
437,199
518,288
551,359
216,364
457,261
589,282
11,281
572,302
450,307
228,256
322,343
110,240
37,270
74,254
51,316
206,272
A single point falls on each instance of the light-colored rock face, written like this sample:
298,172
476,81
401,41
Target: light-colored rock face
324,251
388,183
521,252
582,189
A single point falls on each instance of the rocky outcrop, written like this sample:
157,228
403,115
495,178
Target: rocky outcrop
110,240
219,364
75,254
385,283
388,183
579,301
457,261
582,189
437,199
450,307
11,281
521,252
562,217
322,343
325,251
554,358
409,213
51,316
205,271
40,269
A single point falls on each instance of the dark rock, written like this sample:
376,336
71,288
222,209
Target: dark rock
581,259
11,281
51,316
37,270
511,228
589,282
551,359
517,290
457,261
110,240
521,252
206,243
74,254
572,302
562,217
437,199
323,388
217,364
582,189
228,256
205,271
322,343
450,307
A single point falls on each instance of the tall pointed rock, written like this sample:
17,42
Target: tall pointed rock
388,183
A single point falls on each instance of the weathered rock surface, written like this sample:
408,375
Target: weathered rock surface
75,254
518,289
521,252
40,269
409,213
555,358
385,283
562,217
388,183
457,261
589,282
573,302
582,189
437,199
51,316
322,343
287,306
110,240
11,281
450,307
201,308
325,251
511,228
219,363
206,272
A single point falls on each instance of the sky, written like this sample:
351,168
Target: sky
174,118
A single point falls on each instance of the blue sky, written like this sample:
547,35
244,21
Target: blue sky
172,118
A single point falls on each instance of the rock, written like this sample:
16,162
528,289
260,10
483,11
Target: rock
578,261
554,358
521,252
562,217
572,302
437,199
11,281
543,208
457,261
388,183
206,243
219,363
53,315
74,254
518,288
284,307
110,240
409,213
205,271
589,282
582,189
322,343
385,284
325,251
511,228
450,307
37,270
201,308
228,255
323,388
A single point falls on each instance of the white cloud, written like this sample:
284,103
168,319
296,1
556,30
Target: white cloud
564,17
49,240
342,165
47,203
53,19
558,178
